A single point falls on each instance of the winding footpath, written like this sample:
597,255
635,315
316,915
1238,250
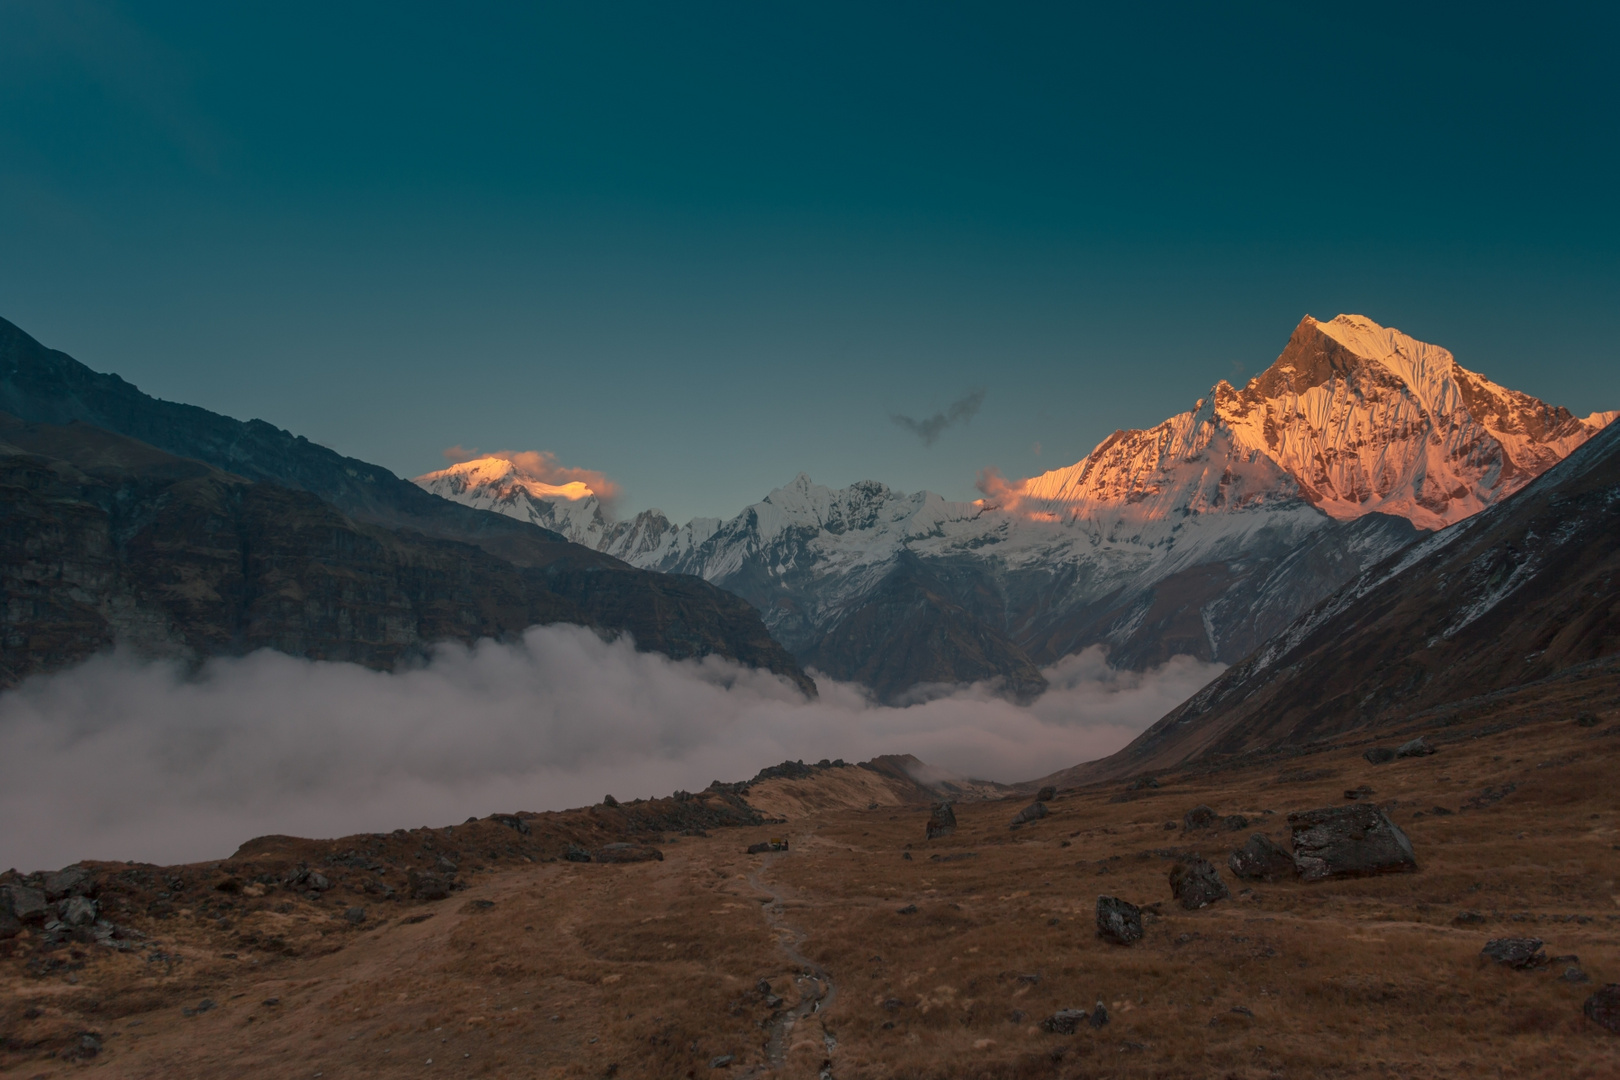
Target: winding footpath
815,985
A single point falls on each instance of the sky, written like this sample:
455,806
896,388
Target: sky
701,248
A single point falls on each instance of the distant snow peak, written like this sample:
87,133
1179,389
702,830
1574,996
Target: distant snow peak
1352,417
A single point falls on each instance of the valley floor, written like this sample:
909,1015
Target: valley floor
842,957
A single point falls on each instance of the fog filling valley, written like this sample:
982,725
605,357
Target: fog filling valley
124,759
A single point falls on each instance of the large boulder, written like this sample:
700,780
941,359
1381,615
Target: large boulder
942,822
627,853
1261,860
26,904
1515,952
1418,747
69,881
76,911
1118,921
1033,812
1603,1007
425,885
1064,1021
1199,817
1349,841
1196,883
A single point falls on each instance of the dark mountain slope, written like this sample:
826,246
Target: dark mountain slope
1520,593
675,614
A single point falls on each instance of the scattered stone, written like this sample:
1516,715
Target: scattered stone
1360,792
1515,952
1169,826
445,866
1033,812
426,886
231,885
1349,841
909,909
1064,1021
609,800
1379,755
10,926
272,1001
76,911
356,915
1099,1015
627,853
1261,860
84,1047
954,856
906,855
1586,719
941,822
1418,747
1046,794
1142,782
1440,811
893,1004
1575,975
1118,921
1235,823
1603,1007
1491,796
1243,1010
723,1060
575,853
512,821
1467,918
205,1004
773,844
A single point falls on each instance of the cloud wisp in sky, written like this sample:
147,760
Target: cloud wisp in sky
119,759
929,428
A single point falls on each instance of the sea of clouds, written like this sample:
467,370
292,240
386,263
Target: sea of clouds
125,759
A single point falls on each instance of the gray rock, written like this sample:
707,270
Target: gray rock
27,904
1118,921
76,911
69,881
941,822
1349,841
1603,1007
1141,783
1033,812
1196,883
512,821
1199,817
1064,1021
723,1060
356,915
1575,975
1235,822
575,853
1379,755
426,886
1046,794
10,926
445,866
1261,860
1099,1015
1418,747
1515,952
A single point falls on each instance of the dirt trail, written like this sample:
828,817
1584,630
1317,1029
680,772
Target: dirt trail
815,984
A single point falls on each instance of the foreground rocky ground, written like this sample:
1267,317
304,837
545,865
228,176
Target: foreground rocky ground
864,950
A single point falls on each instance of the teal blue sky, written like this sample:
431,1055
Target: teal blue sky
703,247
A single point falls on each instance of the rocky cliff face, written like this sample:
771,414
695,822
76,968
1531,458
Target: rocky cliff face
489,573
1202,536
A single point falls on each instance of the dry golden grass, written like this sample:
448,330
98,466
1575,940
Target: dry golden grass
652,968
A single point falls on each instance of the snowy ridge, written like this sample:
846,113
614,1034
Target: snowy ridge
1353,420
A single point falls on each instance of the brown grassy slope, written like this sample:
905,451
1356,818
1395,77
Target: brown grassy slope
652,970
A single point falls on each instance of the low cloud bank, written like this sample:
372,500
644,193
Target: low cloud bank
121,759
